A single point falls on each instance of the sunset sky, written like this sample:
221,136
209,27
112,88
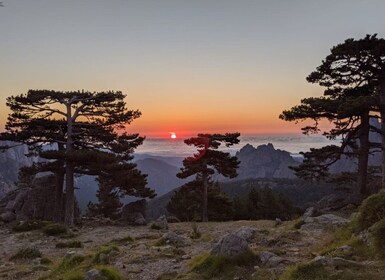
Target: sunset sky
189,66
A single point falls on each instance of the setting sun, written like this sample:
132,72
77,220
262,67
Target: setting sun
172,135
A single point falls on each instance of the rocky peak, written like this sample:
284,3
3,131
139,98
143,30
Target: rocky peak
264,162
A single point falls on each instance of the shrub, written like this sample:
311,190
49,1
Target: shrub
313,271
172,219
29,225
70,263
105,251
379,238
298,223
70,244
210,266
27,253
109,273
123,241
155,226
371,211
45,261
54,229
195,234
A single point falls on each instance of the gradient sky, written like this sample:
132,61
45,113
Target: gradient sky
189,66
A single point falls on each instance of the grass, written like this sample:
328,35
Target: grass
26,254
70,244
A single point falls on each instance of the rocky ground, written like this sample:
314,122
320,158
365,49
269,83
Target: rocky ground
142,252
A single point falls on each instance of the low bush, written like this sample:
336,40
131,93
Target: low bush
70,244
379,238
109,273
54,229
371,211
313,271
26,253
29,225
210,266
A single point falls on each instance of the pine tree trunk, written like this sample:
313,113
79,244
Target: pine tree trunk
70,169
205,217
70,195
58,210
381,91
363,155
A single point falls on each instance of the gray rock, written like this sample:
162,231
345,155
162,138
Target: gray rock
175,239
7,217
269,259
230,245
131,211
135,219
324,222
278,222
309,212
246,233
94,274
335,262
161,222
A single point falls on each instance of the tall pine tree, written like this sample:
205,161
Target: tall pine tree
72,126
209,160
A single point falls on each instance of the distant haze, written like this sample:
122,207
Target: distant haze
189,66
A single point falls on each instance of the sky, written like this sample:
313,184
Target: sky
188,66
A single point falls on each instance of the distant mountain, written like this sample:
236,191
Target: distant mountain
264,162
161,175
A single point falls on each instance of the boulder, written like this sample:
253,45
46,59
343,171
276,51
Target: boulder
31,202
175,239
135,219
309,212
269,259
336,262
94,274
231,245
161,223
246,233
135,212
324,222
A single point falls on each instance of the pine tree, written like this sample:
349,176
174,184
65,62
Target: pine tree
351,75
209,160
74,126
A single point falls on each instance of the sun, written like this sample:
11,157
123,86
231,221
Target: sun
172,135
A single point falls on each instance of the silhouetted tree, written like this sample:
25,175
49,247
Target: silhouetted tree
72,126
210,160
350,74
186,202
